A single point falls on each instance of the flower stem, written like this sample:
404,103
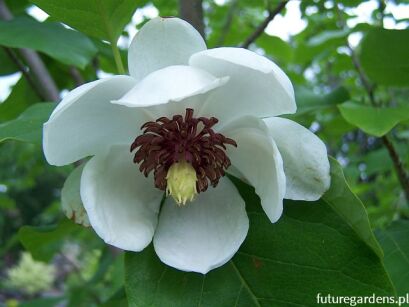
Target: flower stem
117,58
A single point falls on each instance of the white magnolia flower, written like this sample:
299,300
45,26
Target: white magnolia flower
195,106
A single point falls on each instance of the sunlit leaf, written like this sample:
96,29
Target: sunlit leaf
374,121
104,19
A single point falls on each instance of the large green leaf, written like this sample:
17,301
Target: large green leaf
384,56
395,243
65,45
28,127
103,19
312,249
374,121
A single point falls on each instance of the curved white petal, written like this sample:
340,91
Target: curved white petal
257,86
204,234
86,123
305,158
162,42
258,160
170,84
122,205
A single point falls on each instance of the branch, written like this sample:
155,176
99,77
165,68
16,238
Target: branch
76,76
192,12
397,162
260,29
44,82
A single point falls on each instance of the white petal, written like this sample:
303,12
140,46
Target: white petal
257,86
86,123
170,84
305,158
204,234
162,42
258,160
122,205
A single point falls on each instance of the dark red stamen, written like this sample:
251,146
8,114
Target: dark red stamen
167,141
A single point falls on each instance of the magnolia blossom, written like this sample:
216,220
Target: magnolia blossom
173,127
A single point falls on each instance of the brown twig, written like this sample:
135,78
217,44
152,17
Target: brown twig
402,174
76,76
397,162
260,29
192,12
44,82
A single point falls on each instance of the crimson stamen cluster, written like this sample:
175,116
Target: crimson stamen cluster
167,141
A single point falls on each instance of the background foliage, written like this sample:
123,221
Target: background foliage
351,76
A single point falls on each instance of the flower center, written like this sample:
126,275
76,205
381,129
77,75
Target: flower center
184,153
181,182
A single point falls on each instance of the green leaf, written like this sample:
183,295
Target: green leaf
44,242
349,207
20,98
395,243
17,7
312,249
28,127
71,199
7,66
308,101
384,56
329,35
276,47
65,45
374,121
103,19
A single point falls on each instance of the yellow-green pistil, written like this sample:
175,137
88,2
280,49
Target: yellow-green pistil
181,182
